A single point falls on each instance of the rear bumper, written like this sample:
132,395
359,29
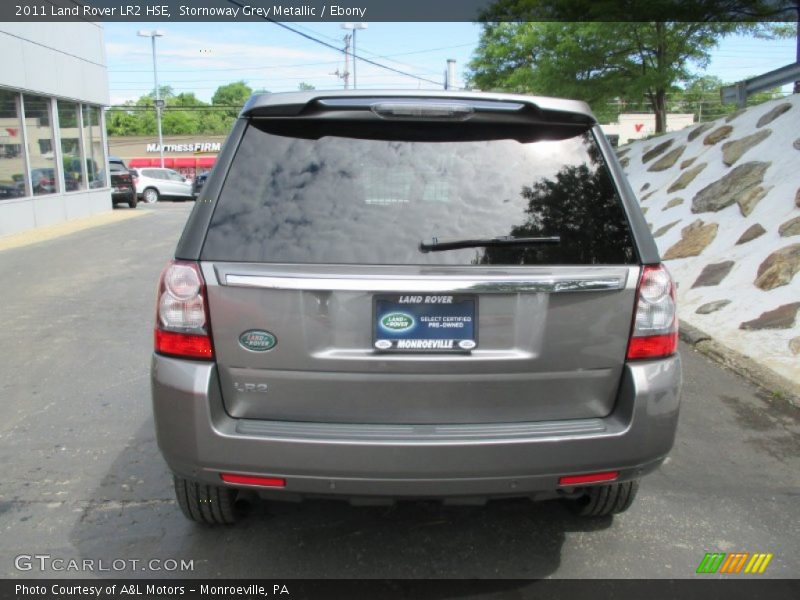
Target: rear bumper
199,441
123,194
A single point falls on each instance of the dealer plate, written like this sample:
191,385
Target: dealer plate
431,323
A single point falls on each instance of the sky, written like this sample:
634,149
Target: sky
198,57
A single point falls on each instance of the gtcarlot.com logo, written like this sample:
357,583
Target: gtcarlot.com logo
46,562
734,563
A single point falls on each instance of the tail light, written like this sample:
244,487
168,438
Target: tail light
182,325
655,325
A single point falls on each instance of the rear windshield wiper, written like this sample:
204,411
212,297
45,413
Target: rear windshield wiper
437,245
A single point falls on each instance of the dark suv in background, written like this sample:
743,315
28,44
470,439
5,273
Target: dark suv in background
401,295
122,186
199,182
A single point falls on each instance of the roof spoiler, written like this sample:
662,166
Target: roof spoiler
418,106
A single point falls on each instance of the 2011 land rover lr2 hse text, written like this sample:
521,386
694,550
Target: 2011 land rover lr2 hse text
414,295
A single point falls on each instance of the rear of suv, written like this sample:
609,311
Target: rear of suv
406,295
123,188
198,183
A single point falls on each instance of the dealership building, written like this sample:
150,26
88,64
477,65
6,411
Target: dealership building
53,87
188,154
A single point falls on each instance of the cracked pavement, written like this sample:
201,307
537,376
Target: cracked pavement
83,479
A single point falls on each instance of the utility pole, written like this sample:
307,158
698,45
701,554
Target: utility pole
354,27
451,74
153,34
346,74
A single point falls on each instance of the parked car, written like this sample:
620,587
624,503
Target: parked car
439,295
10,191
199,182
43,180
153,184
122,186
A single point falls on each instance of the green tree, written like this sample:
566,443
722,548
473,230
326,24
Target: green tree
232,93
133,118
183,114
601,63
165,92
232,96
305,87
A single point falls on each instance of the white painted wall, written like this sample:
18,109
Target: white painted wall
635,126
20,214
67,60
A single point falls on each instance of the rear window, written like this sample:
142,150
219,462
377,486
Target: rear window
117,167
353,200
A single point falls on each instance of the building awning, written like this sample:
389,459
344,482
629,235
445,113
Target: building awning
202,162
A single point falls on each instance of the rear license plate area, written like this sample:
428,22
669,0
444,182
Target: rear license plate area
424,323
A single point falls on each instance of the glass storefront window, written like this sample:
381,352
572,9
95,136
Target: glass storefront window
33,142
70,134
93,147
41,157
12,163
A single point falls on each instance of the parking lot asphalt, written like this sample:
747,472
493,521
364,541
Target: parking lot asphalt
83,479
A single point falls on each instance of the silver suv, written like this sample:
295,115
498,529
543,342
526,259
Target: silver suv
402,295
153,184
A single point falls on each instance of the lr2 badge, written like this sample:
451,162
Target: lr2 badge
424,323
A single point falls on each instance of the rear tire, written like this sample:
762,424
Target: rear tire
207,504
150,195
133,201
605,500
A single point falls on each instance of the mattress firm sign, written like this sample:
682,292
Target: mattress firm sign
195,147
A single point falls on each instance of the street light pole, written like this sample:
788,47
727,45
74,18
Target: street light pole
153,34
355,27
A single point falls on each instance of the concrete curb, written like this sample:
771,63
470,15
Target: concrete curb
764,377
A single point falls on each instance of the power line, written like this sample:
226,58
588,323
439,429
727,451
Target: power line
173,83
375,55
259,68
327,45
294,66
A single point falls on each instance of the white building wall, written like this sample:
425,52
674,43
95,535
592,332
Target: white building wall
67,60
635,126
64,61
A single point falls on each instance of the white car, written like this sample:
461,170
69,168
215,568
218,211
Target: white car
153,183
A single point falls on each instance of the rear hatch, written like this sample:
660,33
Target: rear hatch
419,261
120,176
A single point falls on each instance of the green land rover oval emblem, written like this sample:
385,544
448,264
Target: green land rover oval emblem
397,321
257,340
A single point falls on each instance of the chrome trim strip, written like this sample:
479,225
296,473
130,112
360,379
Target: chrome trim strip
430,433
484,285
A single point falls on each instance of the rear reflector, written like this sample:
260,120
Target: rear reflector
590,478
251,480
183,344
